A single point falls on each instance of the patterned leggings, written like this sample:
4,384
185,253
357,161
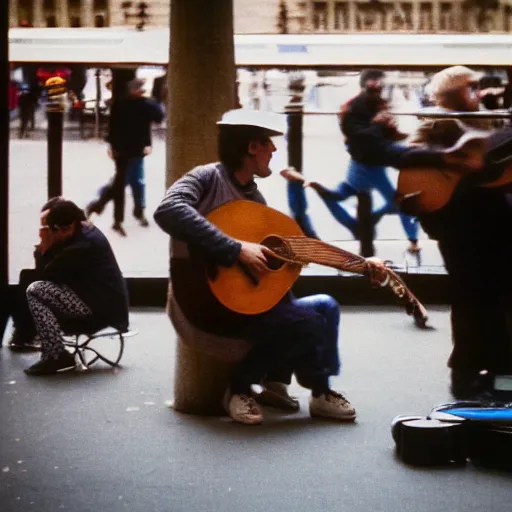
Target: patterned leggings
50,303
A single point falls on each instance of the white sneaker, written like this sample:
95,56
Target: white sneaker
276,395
331,405
242,409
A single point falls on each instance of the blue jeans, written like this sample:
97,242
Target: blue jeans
298,205
135,178
366,178
300,337
129,171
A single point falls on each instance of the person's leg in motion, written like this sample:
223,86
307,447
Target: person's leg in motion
51,304
119,194
105,194
136,180
297,202
382,184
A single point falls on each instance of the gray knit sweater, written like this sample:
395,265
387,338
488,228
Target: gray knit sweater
182,210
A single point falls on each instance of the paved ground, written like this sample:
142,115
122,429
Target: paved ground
105,441
86,167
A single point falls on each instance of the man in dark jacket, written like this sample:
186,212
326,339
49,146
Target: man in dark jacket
366,140
129,136
80,287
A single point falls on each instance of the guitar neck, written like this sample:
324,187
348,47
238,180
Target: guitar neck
304,250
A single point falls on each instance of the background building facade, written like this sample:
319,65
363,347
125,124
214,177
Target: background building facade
281,16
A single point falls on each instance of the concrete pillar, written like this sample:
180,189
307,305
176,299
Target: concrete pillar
388,18
330,16
202,79
499,18
38,14
62,13
436,16
352,25
457,16
14,19
416,16
87,13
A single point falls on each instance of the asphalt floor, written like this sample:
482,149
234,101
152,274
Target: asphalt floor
107,440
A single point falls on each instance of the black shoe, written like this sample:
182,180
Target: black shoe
91,208
18,343
29,346
119,228
469,385
64,363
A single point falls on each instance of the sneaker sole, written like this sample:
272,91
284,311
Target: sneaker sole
24,348
67,368
268,397
60,370
346,418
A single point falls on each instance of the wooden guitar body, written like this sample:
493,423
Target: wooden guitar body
426,190
253,222
289,250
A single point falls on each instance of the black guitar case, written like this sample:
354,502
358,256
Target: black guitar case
455,433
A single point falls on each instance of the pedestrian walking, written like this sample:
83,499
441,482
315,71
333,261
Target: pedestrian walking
129,138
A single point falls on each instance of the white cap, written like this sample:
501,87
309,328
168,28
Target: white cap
273,123
450,78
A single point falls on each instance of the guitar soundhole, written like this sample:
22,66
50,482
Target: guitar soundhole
277,245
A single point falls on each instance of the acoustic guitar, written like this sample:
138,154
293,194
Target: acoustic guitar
241,291
426,190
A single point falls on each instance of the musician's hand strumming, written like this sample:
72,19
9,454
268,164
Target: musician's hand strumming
253,257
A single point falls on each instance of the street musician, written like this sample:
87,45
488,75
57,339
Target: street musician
473,229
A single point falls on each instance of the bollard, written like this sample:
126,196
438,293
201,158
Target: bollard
57,96
294,112
365,224
296,194
97,105
54,139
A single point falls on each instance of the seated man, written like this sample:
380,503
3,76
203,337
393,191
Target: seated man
24,336
80,287
297,335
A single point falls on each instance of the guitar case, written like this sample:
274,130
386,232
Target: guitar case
456,432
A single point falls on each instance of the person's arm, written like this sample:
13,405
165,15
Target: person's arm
177,215
114,127
66,261
155,112
357,125
388,153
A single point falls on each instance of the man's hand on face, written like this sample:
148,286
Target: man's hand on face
46,239
253,257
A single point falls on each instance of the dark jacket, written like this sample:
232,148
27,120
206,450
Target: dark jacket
86,263
372,144
130,125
